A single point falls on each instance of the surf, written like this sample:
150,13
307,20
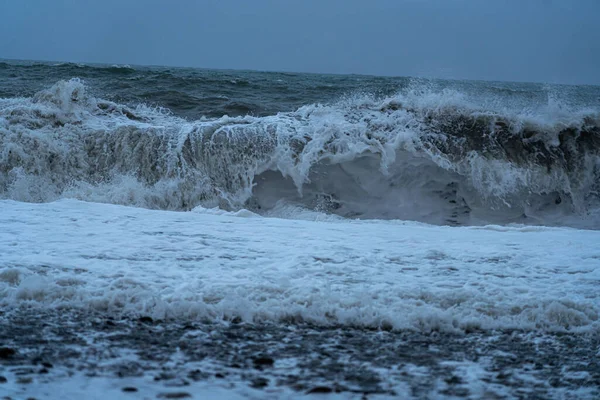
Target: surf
422,155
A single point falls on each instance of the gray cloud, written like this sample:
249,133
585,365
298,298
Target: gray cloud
531,40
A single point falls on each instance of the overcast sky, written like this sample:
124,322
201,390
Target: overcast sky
518,40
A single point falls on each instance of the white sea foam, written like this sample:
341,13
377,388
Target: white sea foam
212,265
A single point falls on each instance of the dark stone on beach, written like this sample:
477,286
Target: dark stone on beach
197,375
260,383
503,375
538,366
554,382
320,389
453,380
263,362
174,395
7,352
219,375
3,379
164,377
20,371
146,320
178,382
129,389
43,371
47,365
24,380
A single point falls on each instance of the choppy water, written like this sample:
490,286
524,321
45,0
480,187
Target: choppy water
443,152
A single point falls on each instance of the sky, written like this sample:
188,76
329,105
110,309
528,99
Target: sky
555,41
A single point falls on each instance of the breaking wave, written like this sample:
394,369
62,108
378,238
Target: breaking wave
422,155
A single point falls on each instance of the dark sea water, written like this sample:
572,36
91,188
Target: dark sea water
193,93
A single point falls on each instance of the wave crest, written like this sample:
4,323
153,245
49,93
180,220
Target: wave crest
426,156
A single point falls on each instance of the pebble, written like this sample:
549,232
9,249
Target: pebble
454,380
320,389
197,375
24,380
260,383
263,362
7,352
174,395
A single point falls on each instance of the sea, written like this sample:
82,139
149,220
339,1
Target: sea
191,233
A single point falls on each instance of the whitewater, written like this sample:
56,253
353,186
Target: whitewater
190,233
